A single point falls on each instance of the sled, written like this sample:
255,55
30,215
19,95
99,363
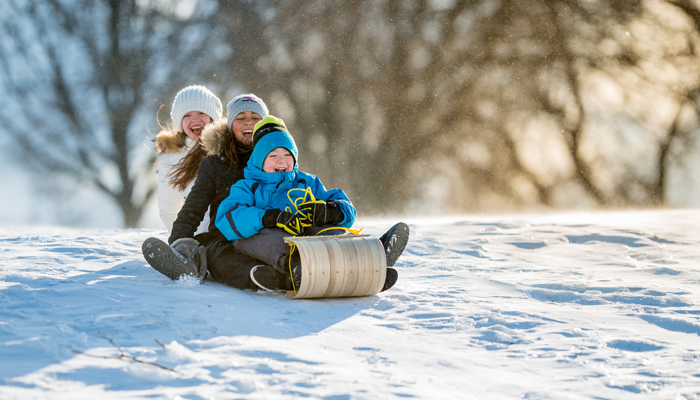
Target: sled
339,266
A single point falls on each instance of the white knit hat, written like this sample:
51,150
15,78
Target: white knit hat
246,102
195,98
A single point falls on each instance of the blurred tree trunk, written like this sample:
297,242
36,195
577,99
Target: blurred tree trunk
685,127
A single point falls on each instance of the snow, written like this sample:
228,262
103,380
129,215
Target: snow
560,306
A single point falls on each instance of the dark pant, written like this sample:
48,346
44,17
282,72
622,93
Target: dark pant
228,267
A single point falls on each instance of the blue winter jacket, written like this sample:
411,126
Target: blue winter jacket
240,214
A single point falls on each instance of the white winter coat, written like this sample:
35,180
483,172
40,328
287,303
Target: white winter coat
170,199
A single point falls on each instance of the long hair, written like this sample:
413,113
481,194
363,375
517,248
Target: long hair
185,170
232,149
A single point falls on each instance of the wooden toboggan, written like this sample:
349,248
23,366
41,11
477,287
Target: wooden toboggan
339,266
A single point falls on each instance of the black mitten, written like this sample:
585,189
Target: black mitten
284,220
322,213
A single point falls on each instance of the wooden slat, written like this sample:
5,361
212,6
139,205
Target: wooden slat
350,255
364,260
378,267
337,268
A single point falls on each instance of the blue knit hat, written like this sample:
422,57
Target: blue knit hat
246,102
269,134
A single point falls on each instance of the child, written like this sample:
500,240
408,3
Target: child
193,109
262,209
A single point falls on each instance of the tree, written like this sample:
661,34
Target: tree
473,106
444,106
90,75
684,131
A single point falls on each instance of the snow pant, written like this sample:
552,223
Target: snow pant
268,245
228,267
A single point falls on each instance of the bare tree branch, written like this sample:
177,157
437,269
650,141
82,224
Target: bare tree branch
100,65
124,356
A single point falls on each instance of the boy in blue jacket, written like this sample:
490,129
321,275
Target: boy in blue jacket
262,209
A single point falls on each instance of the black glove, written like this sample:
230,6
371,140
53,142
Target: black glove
284,220
322,213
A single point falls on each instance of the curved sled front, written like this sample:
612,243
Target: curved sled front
339,266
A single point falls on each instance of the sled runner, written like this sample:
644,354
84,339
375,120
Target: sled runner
339,266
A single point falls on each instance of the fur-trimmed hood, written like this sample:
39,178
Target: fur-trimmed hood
214,137
170,141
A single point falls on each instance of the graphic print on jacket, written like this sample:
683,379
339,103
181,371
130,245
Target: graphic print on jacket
240,215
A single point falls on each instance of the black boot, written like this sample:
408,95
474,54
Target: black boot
296,269
394,241
392,275
184,257
269,279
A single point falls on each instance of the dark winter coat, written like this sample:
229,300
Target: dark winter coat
214,180
212,186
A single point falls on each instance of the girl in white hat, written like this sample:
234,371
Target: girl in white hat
193,109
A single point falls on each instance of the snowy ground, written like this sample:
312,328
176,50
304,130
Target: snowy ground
568,306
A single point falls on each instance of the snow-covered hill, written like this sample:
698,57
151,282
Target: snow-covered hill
564,306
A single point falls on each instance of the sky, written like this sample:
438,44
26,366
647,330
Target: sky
557,306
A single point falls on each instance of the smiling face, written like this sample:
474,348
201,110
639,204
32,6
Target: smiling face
193,123
242,126
279,160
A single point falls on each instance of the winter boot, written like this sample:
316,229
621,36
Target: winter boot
392,275
284,266
394,241
296,269
269,279
185,257
191,250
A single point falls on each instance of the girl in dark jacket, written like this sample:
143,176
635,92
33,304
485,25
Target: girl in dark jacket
228,143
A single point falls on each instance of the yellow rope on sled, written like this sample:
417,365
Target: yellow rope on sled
353,231
304,218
